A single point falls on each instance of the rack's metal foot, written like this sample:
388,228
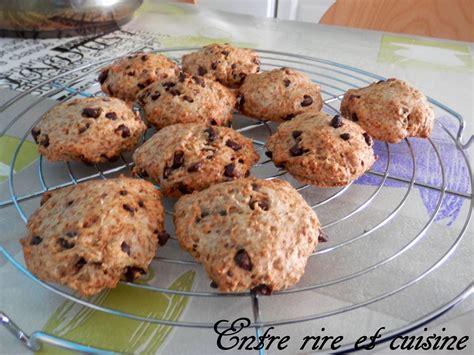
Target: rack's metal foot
18,333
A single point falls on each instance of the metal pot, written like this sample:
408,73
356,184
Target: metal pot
40,16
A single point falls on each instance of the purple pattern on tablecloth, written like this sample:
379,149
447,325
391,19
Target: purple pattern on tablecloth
428,170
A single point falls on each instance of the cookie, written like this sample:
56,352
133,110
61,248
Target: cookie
389,110
125,77
92,130
278,95
184,158
187,99
223,63
321,150
248,233
88,236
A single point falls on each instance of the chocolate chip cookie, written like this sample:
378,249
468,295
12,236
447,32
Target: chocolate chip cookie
248,234
125,77
321,150
92,130
223,63
190,157
89,235
389,110
278,95
187,99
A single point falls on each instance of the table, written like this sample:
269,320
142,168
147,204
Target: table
442,69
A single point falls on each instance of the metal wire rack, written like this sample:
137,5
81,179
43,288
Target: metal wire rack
334,80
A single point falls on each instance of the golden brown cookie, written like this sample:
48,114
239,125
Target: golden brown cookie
321,150
389,110
89,235
187,99
92,130
190,157
125,77
278,95
248,234
223,63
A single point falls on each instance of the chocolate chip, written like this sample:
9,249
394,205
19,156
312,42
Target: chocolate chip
195,167
213,284
184,189
35,132
84,128
336,122
213,122
255,187
230,273
181,77
141,203
296,150
288,117
242,259
234,145
187,98
45,141
240,102
354,117
91,112
128,208
71,234
204,214
103,76
155,96
296,134
323,237
36,240
124,130
141,86
178,159
286,82
263,205
211,134
225,53
263,290
230,171
345,136
175,92
213,65
352,97
145,57
380,81
307,100
125,248
123,193
199,81
163,238
202,71
65,244
80,263
111,116
368,139
132,272
269,154
168,85
131,73
223,213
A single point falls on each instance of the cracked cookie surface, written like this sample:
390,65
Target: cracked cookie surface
187,99
184,158
278,95
92,130
223,63
89,235
321,150
389,110
125,77
249,234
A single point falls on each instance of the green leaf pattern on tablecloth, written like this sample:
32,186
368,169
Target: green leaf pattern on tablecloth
94,328
26,155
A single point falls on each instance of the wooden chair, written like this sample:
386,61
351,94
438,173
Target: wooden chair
453,19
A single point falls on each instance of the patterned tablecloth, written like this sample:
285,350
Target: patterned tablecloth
444,70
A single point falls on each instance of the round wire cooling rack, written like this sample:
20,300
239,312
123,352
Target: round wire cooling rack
364,218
